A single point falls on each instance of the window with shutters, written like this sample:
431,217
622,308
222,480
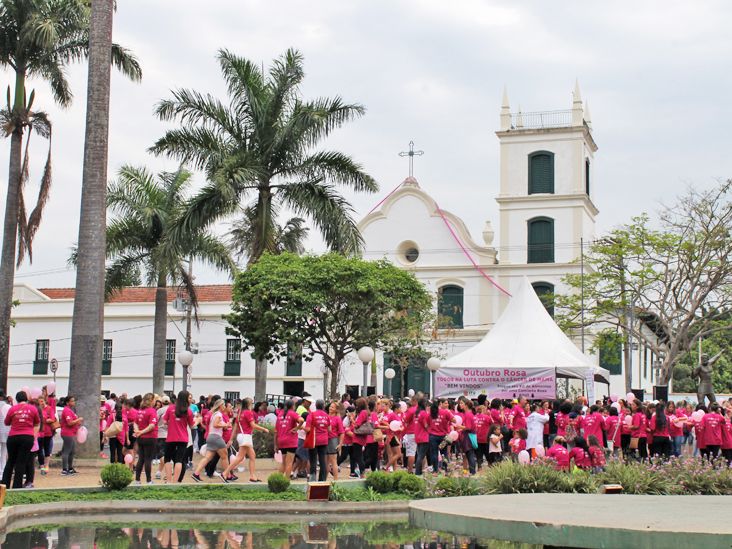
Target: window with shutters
545,291
293,367
107,357
541,172
232,365
169,357
540,240
40,364
450,307
587,176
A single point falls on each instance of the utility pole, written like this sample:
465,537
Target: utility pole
582,290
189,310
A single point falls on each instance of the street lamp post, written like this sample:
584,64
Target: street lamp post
389,374
433,364
365,355
186,359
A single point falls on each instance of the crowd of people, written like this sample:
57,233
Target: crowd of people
313,439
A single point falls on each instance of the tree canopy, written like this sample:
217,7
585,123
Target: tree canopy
330,304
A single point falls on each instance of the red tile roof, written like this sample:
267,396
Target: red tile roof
145,294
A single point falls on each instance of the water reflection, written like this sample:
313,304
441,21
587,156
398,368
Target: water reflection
363,535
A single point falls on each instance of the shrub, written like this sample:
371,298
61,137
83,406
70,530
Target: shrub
380,481
264,443
508,477
411,485
116,476
277,482
452,487
636,478
397,476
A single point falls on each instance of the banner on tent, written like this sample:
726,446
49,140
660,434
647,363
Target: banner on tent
533,383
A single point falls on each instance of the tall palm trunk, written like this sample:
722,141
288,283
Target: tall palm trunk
160,334
10,231
261,226
87,330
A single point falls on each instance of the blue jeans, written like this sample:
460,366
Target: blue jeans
676,444
435,441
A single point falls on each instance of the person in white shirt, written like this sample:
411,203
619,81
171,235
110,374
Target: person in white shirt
535,427
4,430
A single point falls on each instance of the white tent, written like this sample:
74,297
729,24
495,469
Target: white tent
526,337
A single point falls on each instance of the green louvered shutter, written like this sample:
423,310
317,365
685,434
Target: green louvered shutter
541,173
541,241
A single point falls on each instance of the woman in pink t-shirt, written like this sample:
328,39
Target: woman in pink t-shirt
421,435
286,436
580,454
558,452
146,431
215,444
638,429
244,427
393,438
179,419
70,424
22,418
320,422
712,425
658,433
440,423
335,437
45,434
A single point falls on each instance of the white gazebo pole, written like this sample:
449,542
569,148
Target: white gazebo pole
365,355
433,364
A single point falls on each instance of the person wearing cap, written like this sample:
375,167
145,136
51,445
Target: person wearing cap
162,436
304,404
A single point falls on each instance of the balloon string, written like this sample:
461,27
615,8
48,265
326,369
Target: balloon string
469,255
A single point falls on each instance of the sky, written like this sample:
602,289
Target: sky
655,73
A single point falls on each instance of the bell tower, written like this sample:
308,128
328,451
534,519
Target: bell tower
546,188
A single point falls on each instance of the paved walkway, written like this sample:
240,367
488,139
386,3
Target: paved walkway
584,520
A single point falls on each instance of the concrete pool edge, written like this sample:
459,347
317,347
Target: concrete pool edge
581,520
20,516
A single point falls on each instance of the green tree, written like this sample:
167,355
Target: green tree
673,280
683,378
138,240
288,238
258,151
330,304
87,329
38,39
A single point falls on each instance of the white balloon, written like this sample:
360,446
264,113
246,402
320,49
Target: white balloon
203,450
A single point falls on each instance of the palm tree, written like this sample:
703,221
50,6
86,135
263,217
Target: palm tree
87,329
289,237
259,146
138,240
38,39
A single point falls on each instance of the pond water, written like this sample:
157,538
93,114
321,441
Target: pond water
294,535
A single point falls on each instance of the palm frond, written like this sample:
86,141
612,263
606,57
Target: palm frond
126,63
44,191
333,168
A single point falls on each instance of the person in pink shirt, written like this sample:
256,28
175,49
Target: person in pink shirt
519,415
320,422
286,436
727,437
597,454
638,429
440,423
118,443
360,439
393,443
22,418
45,434
146,431
466,430
421,435
580,454
244,428
559,453
593,423
712,425
482,425
518,442
408,441
675,429
70,424
658,432
335,437
562,418
179,419
215,443
613,429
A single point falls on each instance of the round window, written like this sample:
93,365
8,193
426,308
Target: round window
411,254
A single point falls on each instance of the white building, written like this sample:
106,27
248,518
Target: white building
544,193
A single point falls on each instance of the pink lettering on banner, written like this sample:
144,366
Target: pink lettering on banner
500,383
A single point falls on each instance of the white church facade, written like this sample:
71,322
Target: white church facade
544,191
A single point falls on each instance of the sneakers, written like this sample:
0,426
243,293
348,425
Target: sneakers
73,472
64,472
228,479
44,470
150,483
137,483
196,477
28,485
233,477
155,461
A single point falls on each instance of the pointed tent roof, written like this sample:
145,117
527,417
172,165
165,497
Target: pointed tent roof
526,336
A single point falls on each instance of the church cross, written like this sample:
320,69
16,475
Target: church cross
411,154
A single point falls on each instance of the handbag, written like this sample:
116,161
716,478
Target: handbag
309,439
113,430
633,443
473,440
55,425
378,435
366,428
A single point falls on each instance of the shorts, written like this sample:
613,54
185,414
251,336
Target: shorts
243,439
133,439
215,443
332,446
394,442
287,450
410,446
302,452
175,452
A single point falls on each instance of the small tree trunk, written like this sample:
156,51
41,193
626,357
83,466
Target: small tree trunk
160,332
334,367
260,379
10,233
87,330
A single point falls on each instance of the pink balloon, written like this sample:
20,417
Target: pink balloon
26,390
540,451
615,405
630,397
698,415
628,420
458,420
51,388
81,435
396,425
453,436
403,406
278,456
35,392
523,457
614,398
128,459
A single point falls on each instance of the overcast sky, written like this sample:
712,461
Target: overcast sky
656,74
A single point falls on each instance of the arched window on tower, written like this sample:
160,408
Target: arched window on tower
587,176
540,240
541,172
450,307
545,291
